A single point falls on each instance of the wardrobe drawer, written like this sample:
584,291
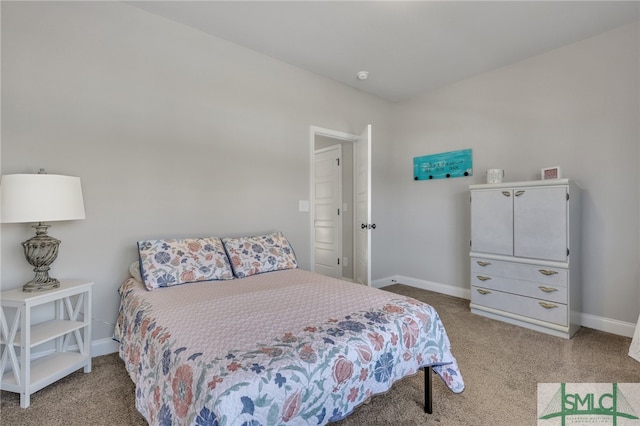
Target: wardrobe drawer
535,273
526,306
519,287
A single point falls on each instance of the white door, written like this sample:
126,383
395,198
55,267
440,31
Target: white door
492,221
363,224
540,223
634,349
327,215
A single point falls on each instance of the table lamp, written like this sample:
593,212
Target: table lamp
40,198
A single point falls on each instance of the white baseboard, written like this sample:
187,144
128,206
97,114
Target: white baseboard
607,325
450,290
103,347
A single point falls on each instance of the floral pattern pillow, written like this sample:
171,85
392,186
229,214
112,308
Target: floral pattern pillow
262,253
165,263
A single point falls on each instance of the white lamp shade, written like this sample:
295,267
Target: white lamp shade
40,198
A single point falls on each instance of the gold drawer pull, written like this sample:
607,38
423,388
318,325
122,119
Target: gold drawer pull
483,278
547,272
547,289
547,305
483,263
519,193
506,193
482,291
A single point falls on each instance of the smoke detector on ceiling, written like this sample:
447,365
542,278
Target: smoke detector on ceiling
363,75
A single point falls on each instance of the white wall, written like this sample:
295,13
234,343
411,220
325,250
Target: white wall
177,133
576,107
174,133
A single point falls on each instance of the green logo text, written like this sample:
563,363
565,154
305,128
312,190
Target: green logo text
565,404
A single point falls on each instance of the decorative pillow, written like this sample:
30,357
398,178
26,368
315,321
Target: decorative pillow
134,270
165,263
262,253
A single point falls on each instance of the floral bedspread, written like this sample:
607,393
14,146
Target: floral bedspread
304,374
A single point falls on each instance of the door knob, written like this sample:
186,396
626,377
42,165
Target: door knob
373,226
363,226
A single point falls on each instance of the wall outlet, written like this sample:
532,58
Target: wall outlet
303,205
345,262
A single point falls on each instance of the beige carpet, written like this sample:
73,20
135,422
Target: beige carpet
501,365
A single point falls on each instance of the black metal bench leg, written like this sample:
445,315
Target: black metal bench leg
428,405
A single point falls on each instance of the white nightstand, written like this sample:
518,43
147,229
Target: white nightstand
19,372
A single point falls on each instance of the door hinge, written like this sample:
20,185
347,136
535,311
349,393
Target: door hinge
338,261
567,252
567,196
338,161
338,212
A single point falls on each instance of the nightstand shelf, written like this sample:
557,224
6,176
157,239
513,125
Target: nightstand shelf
19,372
46,370
43,332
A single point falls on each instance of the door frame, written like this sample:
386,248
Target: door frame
334,134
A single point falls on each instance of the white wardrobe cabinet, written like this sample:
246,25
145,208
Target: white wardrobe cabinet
524,254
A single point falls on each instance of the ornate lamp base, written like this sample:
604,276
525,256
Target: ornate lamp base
40,252
33,285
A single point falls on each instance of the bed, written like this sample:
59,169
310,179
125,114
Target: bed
270,345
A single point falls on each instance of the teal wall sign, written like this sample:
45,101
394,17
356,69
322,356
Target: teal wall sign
444,165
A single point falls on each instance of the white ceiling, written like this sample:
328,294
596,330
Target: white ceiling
408,47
